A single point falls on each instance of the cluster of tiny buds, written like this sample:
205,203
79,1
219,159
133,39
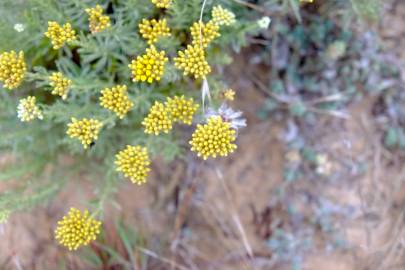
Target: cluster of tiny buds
204,34
216,138
152,30
59,35
27,109
60,84
192,61
162,116
222,16
148,67
181,109
77,229
12,69
97,21
134,163
158,120
116,99
85,130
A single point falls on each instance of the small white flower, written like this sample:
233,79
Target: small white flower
27,109
228,115
264,22
19,27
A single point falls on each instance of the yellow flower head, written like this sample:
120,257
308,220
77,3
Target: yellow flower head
229,94
27,109
116,99
4,215
12,69
97,21
86,130
222,16
60,84
134,163
162,3
148,67
60,34
204,33
213,139
181,109
192,61
306,1
152,30
158,120
77,229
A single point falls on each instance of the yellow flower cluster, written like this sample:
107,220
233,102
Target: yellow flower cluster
213,139
86,130
222,16
148,67
229,94
181,109
204,34
27,109
192,61
97,21
77,229
157,120
152,30
162,3
12,69
134,163
60,84
60,34
306,1
116,99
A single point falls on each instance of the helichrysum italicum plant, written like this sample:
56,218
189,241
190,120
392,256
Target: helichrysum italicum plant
148,67
204,34
216,138
134,163
85,130
12,69
60,84
152,30
28,110
116,99
97,20
181,109
91,76
59,35
77,229
162,3
158,120
192,61
222,16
